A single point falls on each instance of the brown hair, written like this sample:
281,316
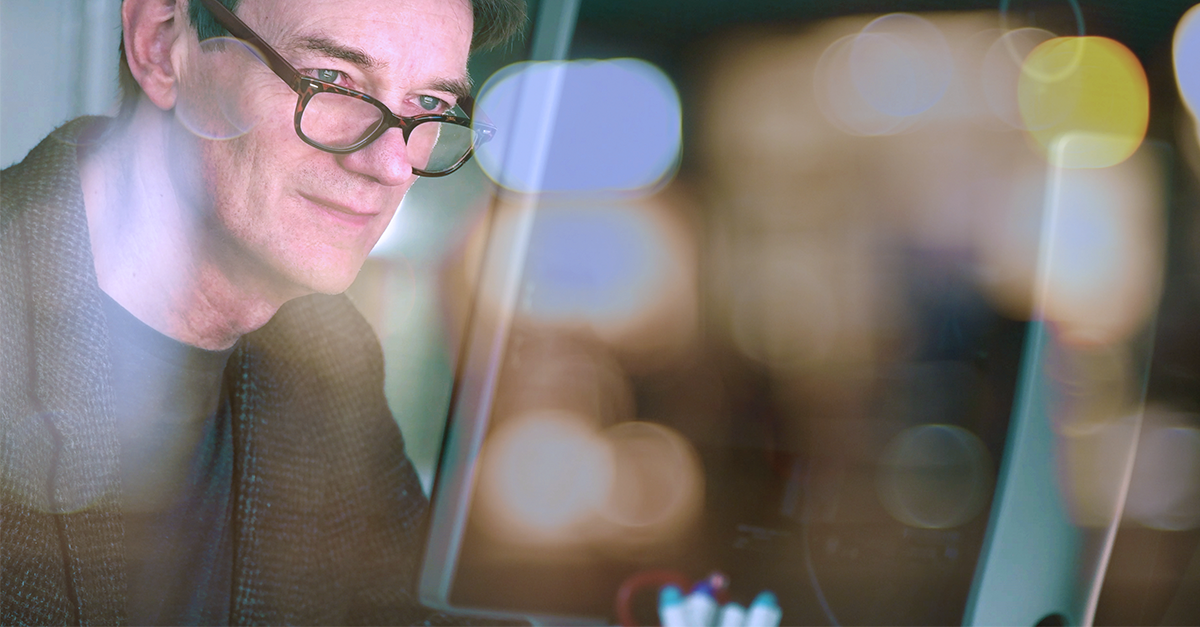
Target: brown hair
497,22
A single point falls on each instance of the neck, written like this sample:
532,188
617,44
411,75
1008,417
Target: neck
155,244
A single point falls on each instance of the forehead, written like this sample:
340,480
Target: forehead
413,39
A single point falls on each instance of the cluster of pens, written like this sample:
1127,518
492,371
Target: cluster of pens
701,609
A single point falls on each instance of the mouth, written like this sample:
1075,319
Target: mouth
342,213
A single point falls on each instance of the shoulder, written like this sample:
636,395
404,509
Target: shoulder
47,179
331,326
48,291
313,379
319,345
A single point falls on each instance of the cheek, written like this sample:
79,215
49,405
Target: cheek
234,175
237,191
229,92
254,162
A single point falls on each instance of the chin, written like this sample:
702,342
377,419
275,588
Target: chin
328,278
334,283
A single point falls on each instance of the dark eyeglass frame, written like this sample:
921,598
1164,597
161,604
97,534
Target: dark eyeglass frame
307,87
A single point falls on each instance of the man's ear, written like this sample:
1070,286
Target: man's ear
151,30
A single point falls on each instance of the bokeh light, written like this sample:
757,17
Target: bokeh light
879,80
935,476
616,126
553,477
840,100
1008,240
1186,56
1164,491
900,64
1028,12
657,486
1081,248
597,264
1000,72
623,270
1101,257
211,106
1085,101
564,373
544,473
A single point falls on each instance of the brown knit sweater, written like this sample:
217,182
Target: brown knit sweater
329,516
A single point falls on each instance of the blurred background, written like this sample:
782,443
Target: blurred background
778,289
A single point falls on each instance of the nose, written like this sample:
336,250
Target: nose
384,160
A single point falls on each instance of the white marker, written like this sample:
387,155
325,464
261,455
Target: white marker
764,611
670,607
701,607
732,615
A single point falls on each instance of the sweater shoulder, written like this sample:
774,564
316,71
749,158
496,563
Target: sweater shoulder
48,176
319,346
328,324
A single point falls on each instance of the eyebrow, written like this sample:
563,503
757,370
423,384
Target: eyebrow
460,88
333,49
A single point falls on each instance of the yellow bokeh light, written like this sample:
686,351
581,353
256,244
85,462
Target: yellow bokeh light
1092,89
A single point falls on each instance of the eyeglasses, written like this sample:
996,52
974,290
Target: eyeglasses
341,121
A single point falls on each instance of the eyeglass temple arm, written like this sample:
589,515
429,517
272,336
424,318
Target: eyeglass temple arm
238,29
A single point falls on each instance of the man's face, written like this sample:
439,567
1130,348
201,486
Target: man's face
303,218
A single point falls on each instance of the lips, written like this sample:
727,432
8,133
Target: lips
341,212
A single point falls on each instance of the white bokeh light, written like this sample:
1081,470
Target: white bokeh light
1186,53
900,64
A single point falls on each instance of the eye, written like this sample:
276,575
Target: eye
328,76
432,104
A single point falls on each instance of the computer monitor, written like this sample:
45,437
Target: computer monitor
918,476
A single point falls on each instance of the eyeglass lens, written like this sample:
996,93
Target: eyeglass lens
339,121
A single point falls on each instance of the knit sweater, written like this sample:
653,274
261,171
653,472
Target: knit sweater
328,523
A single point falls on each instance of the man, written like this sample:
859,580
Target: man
194,430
